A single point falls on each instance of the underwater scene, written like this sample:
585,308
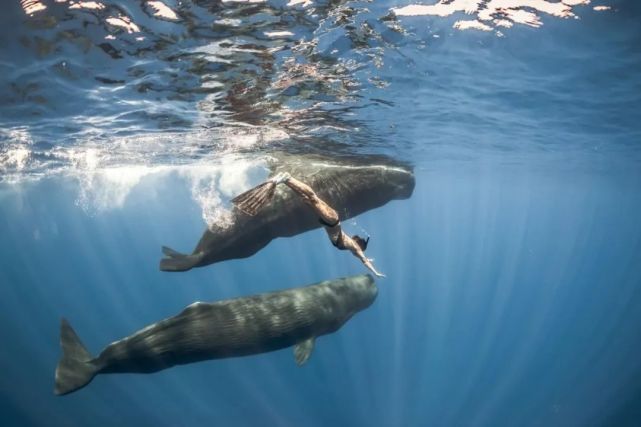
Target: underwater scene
320,213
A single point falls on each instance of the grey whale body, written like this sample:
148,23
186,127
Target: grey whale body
228,328
351,186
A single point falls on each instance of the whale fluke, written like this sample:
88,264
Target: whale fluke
252,200
175,261
76,367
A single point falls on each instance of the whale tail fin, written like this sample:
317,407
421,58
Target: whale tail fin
175,261
251,201
76,368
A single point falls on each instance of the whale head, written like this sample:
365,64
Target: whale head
357,293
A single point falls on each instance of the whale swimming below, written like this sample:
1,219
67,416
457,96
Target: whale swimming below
229,328
351,186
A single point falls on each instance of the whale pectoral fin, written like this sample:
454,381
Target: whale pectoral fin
303,350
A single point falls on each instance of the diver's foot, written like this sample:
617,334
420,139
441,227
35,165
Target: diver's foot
280,178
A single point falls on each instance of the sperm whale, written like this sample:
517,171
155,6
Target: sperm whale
351,186
229,328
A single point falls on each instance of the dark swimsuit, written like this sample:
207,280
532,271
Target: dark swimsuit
338,242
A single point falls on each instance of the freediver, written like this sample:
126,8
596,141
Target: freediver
252,200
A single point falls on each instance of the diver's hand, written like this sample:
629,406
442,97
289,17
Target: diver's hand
369,263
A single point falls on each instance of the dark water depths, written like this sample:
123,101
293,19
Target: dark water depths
513,293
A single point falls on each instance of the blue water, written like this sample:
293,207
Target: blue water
513,289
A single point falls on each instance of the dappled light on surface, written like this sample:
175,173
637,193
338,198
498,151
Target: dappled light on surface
494,13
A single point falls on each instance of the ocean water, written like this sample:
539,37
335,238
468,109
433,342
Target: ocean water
513,288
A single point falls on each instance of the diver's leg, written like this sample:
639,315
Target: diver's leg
334,233
325,211
300,188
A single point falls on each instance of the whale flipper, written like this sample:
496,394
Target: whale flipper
303,350
175,261
76,367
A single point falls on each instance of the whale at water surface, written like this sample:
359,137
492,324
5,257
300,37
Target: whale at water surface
350,186
229,328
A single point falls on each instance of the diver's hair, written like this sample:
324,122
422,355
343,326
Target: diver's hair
360,241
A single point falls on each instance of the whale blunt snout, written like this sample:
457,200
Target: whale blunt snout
404,182
396,182
364,291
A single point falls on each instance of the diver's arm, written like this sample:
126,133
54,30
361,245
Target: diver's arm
368,264
358,253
